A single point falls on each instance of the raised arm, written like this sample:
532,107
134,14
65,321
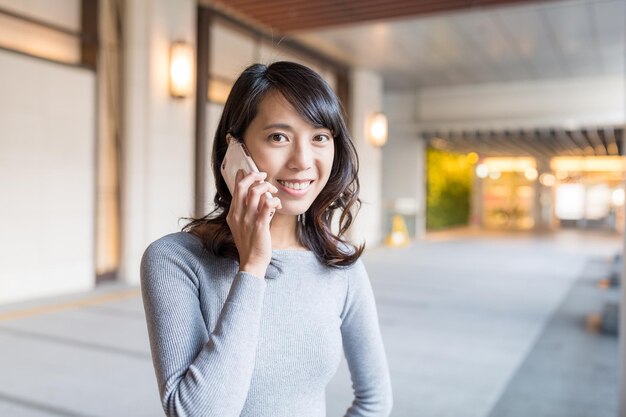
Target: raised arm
198,374
201,374
364,350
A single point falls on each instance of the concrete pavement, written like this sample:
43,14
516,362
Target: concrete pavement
469,320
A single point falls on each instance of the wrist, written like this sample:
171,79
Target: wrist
256,270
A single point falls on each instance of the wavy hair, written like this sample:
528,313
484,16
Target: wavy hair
314,100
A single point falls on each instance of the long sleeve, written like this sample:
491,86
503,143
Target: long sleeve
364,350
198,374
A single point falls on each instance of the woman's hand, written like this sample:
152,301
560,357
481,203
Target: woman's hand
249,217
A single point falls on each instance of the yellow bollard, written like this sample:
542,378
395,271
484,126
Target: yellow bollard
399,236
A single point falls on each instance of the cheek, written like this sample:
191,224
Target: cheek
325,168
328,163
268,163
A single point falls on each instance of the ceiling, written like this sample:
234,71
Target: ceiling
510,43
428,43
417,44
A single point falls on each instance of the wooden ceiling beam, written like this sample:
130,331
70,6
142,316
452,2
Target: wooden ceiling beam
311,10
454,139
490,145
476,144
546,143
522,146
326,5
471,137
581,142
539,148
598,146
289,15
547,140
611,141
569,148
575,149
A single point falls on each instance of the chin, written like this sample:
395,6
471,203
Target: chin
293,209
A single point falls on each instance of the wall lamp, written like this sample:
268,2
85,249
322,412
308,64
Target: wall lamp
181,69
376,129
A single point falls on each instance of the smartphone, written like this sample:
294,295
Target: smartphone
237,157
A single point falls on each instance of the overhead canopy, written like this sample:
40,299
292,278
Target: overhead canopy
296,15
535,142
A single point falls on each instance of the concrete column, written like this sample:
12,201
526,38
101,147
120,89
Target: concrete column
133,180
542,207
420,187
622,326
404,180
476,207
158,163
404,165
366,90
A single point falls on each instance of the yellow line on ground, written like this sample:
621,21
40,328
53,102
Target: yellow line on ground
70,305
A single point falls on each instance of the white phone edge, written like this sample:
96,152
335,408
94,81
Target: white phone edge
238,152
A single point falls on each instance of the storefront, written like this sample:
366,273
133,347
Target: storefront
507,192
589,192
571,192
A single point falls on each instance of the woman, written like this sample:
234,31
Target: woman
248,308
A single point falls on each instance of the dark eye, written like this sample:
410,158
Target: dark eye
278,137
322,138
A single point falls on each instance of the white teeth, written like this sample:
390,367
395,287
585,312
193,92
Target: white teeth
296,185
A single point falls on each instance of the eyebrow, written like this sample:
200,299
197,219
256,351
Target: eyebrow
278,126
287,127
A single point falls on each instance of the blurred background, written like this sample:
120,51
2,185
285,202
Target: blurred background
491,141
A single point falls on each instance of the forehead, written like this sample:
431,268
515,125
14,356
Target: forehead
273,105
274,108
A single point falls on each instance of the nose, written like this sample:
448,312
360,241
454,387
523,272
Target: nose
301,157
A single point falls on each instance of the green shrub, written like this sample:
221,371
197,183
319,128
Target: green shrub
449,179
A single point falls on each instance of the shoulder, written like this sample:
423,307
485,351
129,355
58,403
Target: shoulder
357,271
357,267
355,275
180,247
181,241
358,289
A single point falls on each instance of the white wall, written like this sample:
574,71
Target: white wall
37,40
47,172
158,178
366,91
64,13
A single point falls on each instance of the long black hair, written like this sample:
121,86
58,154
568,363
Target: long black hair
317,103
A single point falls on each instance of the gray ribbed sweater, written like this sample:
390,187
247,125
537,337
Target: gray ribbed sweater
226,343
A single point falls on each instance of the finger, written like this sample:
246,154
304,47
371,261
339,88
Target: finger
256,193
246,180
267,210
241,190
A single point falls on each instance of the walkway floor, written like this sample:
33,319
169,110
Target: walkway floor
475,325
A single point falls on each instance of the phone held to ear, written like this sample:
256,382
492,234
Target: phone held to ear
237,157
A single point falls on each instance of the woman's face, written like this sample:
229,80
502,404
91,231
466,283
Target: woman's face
296,155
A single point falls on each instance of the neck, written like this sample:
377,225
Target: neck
283,231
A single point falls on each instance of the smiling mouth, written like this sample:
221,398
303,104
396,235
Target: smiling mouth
296,185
